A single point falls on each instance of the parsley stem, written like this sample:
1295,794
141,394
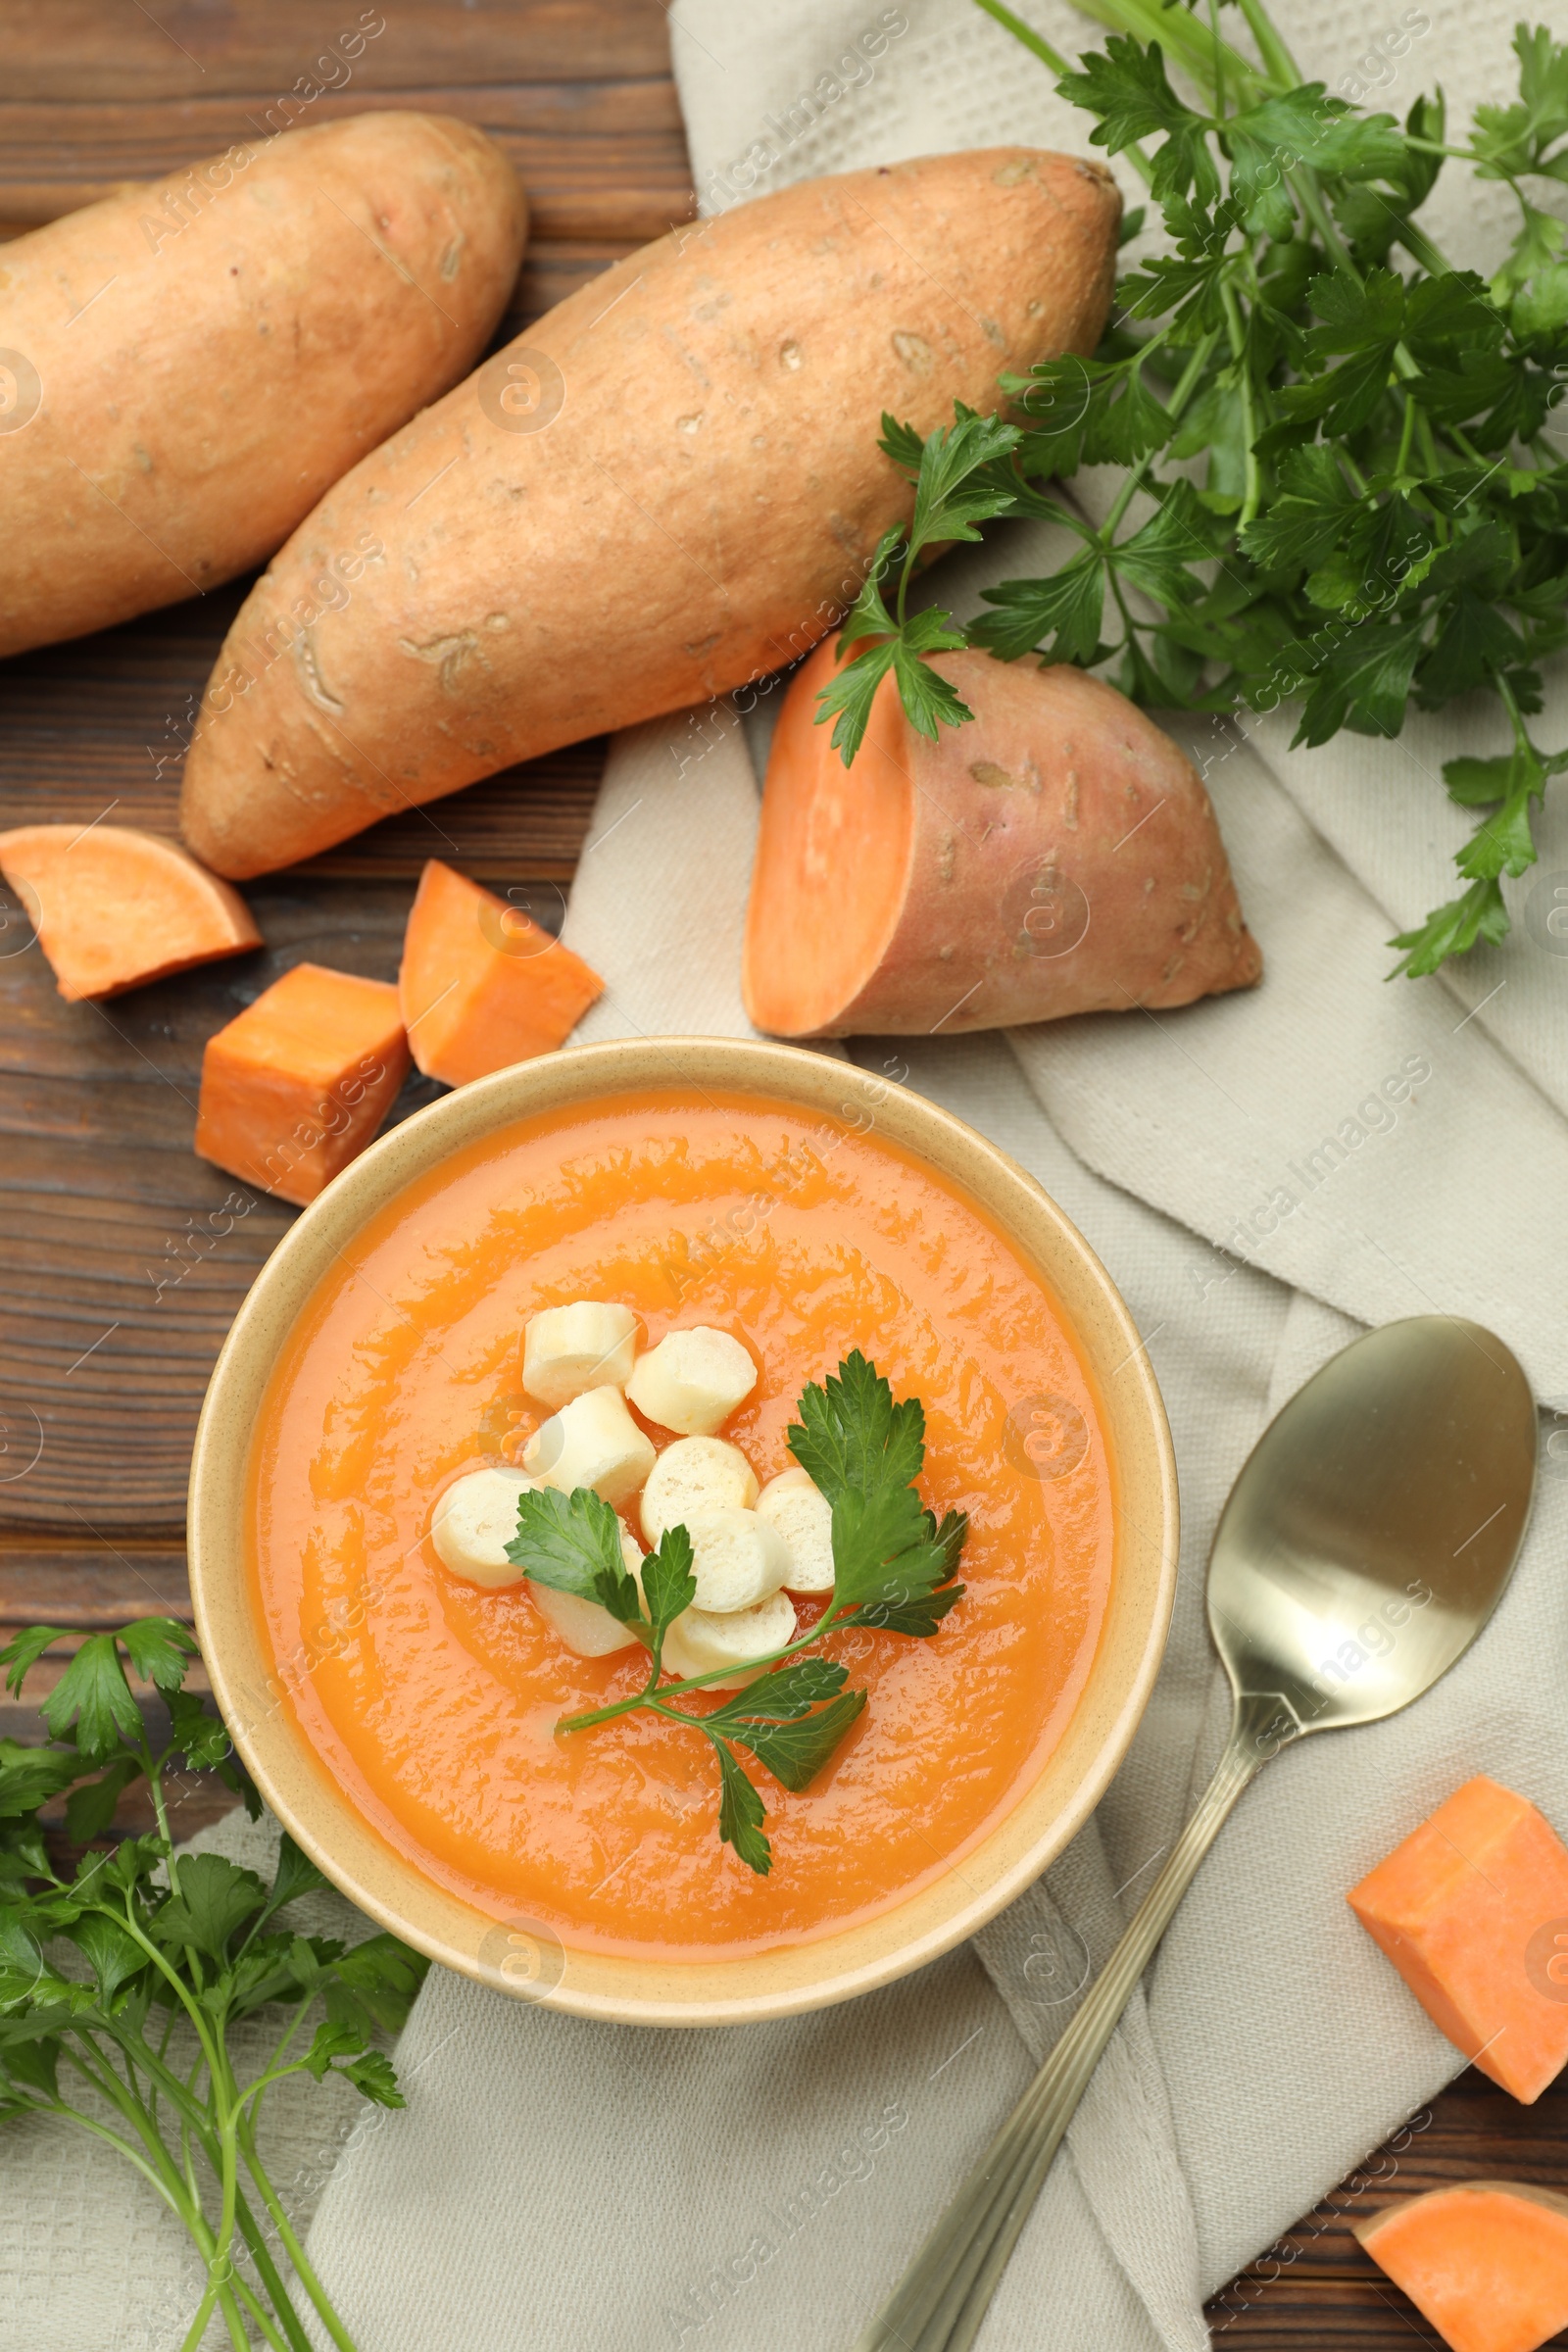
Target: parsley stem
1308,195
295,2251
1021,31
697,1681
1406,434
1185,385
1253,478
1270,48
1422,251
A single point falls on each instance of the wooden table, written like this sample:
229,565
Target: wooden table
118,1279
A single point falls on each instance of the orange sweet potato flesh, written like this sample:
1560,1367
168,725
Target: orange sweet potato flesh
668,486
297,1085
1056,854
1473,1911
202,356
481,984
115,907
1485,2261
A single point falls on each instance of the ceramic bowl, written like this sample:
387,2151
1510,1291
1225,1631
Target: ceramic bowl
516,1956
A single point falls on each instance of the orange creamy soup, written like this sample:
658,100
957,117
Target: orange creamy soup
433,1701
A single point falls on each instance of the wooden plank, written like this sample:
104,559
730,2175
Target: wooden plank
90,49
101,1577
604,164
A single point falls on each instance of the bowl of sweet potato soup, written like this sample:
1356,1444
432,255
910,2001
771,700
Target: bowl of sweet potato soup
683,1531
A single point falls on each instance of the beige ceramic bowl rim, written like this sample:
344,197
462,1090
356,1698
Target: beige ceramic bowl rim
518,1956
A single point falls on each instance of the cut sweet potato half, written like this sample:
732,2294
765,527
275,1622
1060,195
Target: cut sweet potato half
1056,854
114,908
481,984
1485,2261
297,1085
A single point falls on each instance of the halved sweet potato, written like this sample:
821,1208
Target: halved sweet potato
1056,854
1485,2261
295,1087
114,908
481,984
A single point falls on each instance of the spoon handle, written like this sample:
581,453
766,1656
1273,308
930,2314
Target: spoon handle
943,2297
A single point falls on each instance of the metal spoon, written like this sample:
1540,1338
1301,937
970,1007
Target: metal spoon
1368,1538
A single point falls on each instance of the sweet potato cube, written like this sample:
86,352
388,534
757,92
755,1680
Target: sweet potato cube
1473,1911
297,1086
482,984
1485,2261
115,907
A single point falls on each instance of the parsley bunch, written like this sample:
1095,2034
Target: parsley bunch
892,1564
1358,473
158,1940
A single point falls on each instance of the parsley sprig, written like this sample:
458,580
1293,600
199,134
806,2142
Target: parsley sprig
100,1968
893,1564
1381,510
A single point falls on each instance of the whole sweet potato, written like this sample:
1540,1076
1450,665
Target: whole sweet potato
670,486
1056,854
185,366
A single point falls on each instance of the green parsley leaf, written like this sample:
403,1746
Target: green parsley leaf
1452,929
1307,518
90,1807
957,485
668,1585
783,1696
741,1814
112,1956
215,1896
160,1648
1127,88
94,1695
864,1451
572,1544
1363,683
795,1752
30,1776
1068,608
23,1650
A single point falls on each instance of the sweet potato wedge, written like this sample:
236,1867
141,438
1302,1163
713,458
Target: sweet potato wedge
114,908
481,984
1056,854
297,1085
190,363
1486,2262
668,486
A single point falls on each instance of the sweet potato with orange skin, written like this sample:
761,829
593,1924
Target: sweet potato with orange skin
200,358
114,908
296,1085
481,984
1485,2261
668,486
1054,854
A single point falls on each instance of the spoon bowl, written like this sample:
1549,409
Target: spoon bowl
1374,1525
